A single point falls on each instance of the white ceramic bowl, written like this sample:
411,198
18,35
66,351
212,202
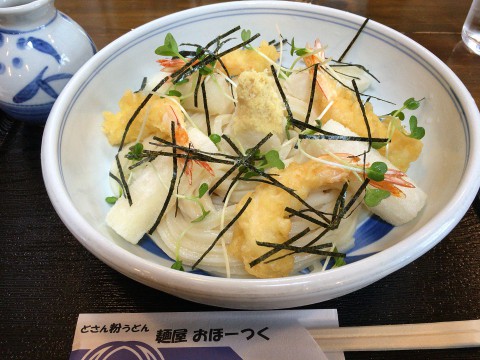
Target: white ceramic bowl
76,156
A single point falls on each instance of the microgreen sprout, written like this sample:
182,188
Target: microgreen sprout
270,159
373,197
178,265
298,51
246,35
377,171
416,132
378,145
215,138
202,190
174,93
339,261
111,199
169,47
409,104
135,152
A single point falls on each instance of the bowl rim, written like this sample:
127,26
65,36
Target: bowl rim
169,280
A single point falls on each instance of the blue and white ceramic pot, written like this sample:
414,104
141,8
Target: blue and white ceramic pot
40,50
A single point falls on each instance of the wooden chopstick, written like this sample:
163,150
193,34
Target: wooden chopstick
442,335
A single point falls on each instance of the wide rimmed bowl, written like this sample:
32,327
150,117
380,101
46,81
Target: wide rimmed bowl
76,156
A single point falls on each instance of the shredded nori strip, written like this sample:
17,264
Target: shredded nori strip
232,144
124,181
312,92
275,250
341,64
329,135
349,88
229,83
369,132
142,86
195,93
353,40
282,94
192,155
332,136
144,160
184,168
195,156
172,183
243,160
223,231
205,108
340,202
117,180
301,249
302,215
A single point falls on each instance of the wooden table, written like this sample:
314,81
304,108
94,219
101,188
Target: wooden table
47,278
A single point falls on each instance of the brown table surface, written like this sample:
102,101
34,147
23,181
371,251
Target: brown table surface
47,278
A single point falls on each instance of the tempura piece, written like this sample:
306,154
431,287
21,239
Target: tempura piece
242,60
265,218
159,112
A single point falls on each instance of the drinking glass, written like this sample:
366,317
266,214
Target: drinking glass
471,28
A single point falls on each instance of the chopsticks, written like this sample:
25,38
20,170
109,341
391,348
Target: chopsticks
442,335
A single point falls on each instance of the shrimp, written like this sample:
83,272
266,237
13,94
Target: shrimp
325,84
392,177
172,65
265,219
182,139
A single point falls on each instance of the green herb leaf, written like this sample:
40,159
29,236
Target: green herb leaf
201,217
174,93
377,171
398,114
273,160
111,199
202,190
177,265
298,51
183,81
302,52
416,132
373,197
339,261
169,48
412,104
135,152
378,145
206,70
292,50
215,138
246,35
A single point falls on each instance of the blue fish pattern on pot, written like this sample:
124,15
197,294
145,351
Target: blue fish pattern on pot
32,88
40,45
